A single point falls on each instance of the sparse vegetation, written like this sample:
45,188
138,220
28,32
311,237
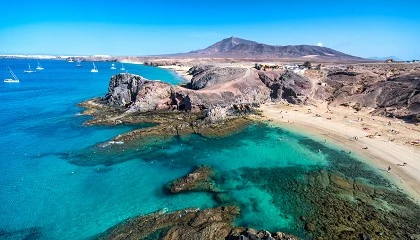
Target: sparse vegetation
307,64
357,107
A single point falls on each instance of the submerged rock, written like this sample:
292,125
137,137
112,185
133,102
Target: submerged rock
198,180
32,233
339,207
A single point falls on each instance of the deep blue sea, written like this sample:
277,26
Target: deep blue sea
57,184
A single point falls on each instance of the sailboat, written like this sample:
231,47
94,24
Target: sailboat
39,66
94,69
79,64
122,68
113,66
29,70
9,80
70,60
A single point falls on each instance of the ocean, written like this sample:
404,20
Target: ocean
56,183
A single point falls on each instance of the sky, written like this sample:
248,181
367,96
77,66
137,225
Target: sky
81,27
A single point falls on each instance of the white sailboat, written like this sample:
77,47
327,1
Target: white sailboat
29,70
9,80
122,68
94,69
39,67
113,66
79,64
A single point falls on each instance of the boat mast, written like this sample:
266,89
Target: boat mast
13,74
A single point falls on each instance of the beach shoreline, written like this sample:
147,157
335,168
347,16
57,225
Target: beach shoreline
182,71
360,133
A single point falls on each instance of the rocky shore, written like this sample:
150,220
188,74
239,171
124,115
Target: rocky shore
177,110
330,205
218,101
188,224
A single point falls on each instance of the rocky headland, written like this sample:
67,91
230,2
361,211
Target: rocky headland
216,104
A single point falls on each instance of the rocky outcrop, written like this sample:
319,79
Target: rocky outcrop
252,234
123,89
208,76
292,87
389,90
187,224
223,87
198,180
184,224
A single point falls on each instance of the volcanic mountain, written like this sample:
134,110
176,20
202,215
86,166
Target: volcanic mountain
234,47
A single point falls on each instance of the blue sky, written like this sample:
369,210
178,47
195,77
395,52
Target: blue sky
362,28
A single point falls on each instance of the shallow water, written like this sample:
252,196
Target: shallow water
60,182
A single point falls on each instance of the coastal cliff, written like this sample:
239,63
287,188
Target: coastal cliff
218,108
288,86
391,90
209,87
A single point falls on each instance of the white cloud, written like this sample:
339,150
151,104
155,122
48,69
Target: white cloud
320,44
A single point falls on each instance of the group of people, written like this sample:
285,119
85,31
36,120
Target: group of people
389,167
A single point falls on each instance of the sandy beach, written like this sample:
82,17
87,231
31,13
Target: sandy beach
180,70
383,141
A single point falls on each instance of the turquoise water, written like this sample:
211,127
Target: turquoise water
59,182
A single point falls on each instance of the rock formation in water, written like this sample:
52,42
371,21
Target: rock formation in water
188,224
27,233
198,180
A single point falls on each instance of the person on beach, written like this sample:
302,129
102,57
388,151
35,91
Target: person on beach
389,168
404,164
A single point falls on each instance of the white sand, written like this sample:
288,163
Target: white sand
181,70
387,145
